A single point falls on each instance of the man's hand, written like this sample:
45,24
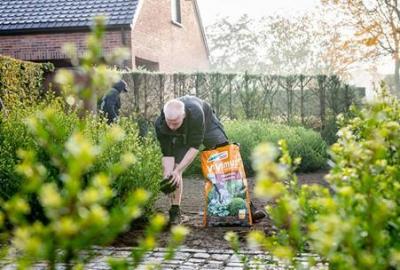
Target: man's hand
176,177
168,166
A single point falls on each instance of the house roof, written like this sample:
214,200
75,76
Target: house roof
17,16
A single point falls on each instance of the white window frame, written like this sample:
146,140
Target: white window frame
176,12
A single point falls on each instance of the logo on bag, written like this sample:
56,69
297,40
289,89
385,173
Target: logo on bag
218,156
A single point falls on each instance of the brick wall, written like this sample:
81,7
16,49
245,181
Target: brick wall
48,46
155,38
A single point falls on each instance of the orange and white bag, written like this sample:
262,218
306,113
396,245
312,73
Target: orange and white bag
226,188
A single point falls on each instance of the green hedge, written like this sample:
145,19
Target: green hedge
21,78
14,135
302,142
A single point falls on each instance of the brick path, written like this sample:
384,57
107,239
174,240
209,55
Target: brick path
186,259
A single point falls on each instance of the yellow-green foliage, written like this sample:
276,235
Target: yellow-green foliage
70,169
356,224
21,78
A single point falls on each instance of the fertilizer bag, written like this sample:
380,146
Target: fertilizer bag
227,200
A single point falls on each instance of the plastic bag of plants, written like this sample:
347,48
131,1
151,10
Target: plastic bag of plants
227,200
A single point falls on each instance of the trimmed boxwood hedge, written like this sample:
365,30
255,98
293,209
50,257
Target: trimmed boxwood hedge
302,142
21,78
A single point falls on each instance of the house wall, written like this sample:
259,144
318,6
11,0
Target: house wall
154,39
39,47
175,48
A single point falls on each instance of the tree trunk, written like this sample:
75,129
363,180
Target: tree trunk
397,76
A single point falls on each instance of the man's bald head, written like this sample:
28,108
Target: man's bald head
174,111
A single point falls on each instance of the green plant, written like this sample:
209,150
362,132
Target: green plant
357,225
14,134
74,210
76,207
69,169
302,142
21,80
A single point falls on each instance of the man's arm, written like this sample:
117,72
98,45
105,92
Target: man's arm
168,160
186,161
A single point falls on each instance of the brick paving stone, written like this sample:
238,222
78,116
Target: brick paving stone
183,256
220,251
211,266
199,261
174,262
235,265
201,255
154,259
189,264
192,250
234,259
98,266
159,254
220,257
216,262
121,253
188,268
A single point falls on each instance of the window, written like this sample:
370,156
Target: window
176,11
146,64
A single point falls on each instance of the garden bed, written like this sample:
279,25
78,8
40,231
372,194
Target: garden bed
192,207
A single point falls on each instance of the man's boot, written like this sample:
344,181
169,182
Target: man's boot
256,214
175,217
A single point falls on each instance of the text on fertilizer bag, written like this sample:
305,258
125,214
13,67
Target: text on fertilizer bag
221,166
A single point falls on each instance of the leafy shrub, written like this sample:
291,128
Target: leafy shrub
302,142
68,165
76,204
357,226
14,135
21,79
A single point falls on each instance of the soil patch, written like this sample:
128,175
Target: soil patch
192,208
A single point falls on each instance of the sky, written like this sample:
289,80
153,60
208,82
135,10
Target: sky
211,10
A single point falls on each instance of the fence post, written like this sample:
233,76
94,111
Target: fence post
230,78
146,88
302,114
136,96
175,78
197,84
322,99
216,92
347,97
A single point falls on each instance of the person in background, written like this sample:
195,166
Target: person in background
111,101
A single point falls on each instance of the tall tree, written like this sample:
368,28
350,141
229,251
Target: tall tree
233,44
375,24
305,44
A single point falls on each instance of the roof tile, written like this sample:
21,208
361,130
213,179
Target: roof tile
40,14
